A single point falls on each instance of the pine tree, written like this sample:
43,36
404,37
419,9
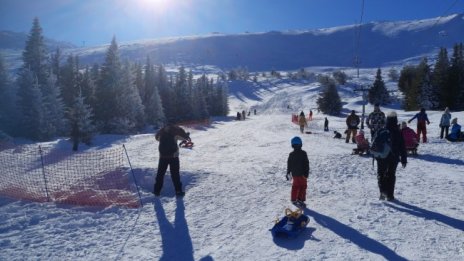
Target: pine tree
456,79
329,101
35,54
55,122
428,97
408,84
55,65
107,88
80,118
153,105
32,122
70,80
87,86
7,103
440,78
378,92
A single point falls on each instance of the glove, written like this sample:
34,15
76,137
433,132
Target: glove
403,164
409,121
287,176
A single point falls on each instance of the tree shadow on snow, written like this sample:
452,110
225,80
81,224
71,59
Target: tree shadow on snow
427,214
176,240
354,236
439,159
298,242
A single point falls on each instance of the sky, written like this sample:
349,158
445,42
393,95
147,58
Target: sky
95,22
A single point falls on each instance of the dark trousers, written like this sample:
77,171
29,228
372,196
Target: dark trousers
386,175
444,129
421,128
174,166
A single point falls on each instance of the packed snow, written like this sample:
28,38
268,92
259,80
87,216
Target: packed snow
234,178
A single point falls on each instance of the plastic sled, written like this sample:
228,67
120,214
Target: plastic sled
291,225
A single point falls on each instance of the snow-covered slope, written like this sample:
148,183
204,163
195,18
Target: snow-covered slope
235,186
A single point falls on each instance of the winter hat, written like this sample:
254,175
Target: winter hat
392,114
403,125
422,110
296,141
454,121
446,109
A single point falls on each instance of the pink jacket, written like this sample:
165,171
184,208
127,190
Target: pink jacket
410,138
361,142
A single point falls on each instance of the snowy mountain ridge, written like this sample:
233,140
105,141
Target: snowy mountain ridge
380,43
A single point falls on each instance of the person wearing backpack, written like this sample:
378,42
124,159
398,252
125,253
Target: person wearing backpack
376,120
395,152
298,168
445,123
352,122
169,156
421,127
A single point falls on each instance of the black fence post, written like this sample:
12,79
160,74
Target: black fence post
43,172
132,171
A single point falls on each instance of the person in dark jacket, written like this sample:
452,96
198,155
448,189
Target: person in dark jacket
376,120
326,124
169,156
386,168
421,127
298,167
352,122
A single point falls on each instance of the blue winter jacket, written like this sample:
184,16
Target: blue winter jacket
455,131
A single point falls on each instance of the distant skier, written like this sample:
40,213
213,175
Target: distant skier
445,123
422,119
302,121
239,116
254,111
298,167
169,156
326,124
243,115
375,120
310,115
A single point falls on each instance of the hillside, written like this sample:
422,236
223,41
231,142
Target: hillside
235,185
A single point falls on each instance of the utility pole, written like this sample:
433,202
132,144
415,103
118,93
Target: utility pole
364,91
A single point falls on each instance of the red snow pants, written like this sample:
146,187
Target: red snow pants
299,188
421,127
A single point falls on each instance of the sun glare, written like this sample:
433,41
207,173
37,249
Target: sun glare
160,5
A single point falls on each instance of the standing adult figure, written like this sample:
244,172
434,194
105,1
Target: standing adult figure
422,119
445,123
376,120
352,122
386,167
302,121
169,156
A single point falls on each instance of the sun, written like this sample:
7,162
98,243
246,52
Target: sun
158,4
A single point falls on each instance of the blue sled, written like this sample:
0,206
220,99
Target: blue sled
290,228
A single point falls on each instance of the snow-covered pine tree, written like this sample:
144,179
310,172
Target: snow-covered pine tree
80,119
54,111
106,91
7,105
154,111
378,92
129,110
183,101
428,96
456,79
55,65
87,87
329,101
440,78
29,103
35,54
69,80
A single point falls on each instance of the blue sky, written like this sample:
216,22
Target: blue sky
96,21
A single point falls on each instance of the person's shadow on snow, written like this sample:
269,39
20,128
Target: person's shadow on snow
177,244
353,235
427,214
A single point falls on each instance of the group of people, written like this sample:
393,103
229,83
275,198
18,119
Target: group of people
242,115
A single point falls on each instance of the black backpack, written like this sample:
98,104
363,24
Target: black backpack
167,144
381,144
